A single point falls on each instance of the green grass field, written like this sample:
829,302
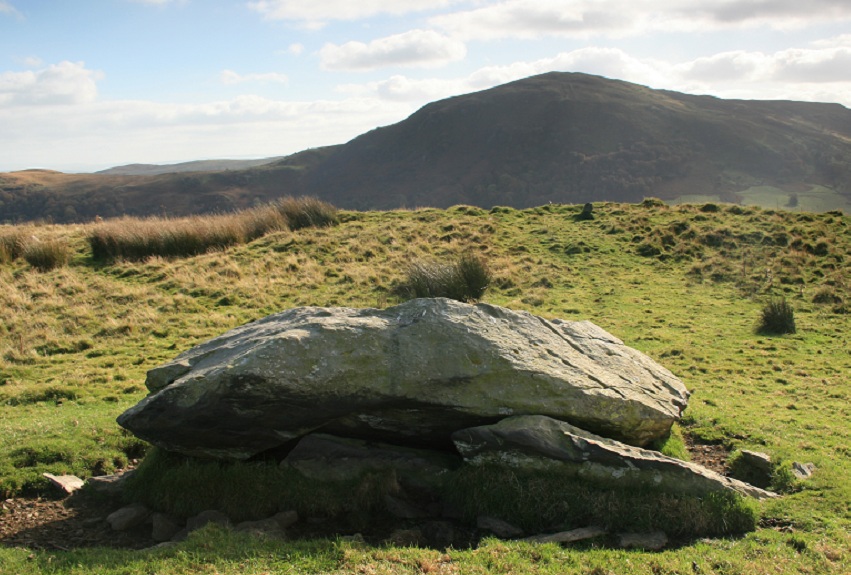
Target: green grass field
684,284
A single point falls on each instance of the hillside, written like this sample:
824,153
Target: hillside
576,138
557,137
684,284
196,166
43,194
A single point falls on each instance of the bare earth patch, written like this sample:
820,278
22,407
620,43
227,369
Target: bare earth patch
711,456
73,522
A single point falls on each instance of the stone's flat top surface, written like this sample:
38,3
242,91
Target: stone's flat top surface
413,373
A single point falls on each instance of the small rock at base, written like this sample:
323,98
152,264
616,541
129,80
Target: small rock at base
109,484
286,518
650,541
165,527
128,517
803,470
439,534
758,460
402,509
498,527
571,536
67,483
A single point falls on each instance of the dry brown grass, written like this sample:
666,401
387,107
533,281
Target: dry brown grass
138,239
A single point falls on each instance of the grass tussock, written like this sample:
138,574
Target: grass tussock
13,240
47,255
777,318
466,279
307,212
42,253
138,239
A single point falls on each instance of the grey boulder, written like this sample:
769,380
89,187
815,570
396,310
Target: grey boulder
537,442
410,374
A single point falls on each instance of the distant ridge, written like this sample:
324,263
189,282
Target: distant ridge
557,137
573,138
194,166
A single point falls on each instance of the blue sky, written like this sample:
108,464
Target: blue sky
85,85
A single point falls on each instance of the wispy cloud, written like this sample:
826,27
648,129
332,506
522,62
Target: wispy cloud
416,48
7,8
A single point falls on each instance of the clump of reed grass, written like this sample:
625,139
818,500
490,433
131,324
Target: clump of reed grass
466,279
13,240
306,212
778,318
137,239
47,255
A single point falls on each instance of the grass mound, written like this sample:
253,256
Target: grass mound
539,501
543,501
185,486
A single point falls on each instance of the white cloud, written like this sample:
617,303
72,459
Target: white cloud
230,77
65,83
421,48
726,67
835,42
533,18
813,74
794,66
98,134
784,12
295,49
318,12
814,66
7,8
607,62
585,18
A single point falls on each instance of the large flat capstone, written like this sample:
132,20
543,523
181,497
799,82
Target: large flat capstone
412,374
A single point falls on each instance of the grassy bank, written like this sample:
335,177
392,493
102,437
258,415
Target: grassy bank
684,284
